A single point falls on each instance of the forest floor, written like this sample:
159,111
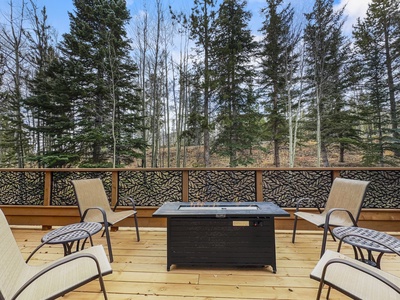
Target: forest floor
306,156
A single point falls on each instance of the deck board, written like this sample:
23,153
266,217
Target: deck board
140,269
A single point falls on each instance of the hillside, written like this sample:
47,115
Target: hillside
305,157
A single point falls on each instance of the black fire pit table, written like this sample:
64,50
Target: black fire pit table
221,233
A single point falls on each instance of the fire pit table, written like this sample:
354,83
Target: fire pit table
221,233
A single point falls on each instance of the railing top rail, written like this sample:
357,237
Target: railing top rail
199,169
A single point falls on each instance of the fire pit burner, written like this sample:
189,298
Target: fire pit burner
219,207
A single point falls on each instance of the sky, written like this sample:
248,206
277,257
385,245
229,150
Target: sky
57,10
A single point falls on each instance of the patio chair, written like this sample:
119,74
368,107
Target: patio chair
354,278
94,207
19,280
342,208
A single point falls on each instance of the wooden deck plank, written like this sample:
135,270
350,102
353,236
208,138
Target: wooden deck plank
140,269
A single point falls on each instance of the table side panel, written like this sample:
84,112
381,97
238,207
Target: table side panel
227,241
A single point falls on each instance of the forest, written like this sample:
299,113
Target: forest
121,91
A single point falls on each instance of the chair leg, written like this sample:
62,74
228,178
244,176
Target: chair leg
324,238
102,287
330,231
137,228
107,231
328,292
321,285
294,229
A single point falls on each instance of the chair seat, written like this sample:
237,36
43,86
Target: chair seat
112,217
336,219
351,281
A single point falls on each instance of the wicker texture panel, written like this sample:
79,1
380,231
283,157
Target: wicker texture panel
285,187
21,188
150,188
222,186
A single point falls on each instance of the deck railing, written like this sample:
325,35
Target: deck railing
49,192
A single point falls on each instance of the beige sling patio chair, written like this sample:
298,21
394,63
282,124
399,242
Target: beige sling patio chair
19,280
342,208
94,207
354,278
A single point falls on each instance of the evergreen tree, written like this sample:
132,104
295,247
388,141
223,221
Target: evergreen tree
377,38
326,50
194,121
51,117
232,50
103,83
201,21
278,61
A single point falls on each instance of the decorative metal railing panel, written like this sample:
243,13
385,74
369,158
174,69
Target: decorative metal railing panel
220,186
153,187
150,188
286,187
25,188
62,191
384,190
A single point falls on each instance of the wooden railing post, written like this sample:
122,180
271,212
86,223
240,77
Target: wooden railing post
335,174
185,185
259,186
114,187
47,188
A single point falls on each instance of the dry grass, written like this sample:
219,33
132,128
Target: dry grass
305,157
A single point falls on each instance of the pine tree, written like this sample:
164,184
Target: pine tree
103,83
278,61
201,31
50,116
326,61
377,38
232,50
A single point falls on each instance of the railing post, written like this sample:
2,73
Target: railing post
259,186
336,173
47,188
185,185
114,187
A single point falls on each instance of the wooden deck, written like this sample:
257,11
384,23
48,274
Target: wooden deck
140,269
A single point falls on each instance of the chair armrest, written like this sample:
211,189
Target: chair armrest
360,268
327,222
128,198
133,202
332,210
299,201
53,266
94,208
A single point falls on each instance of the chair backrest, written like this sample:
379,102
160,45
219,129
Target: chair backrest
348,194
12,263
90,193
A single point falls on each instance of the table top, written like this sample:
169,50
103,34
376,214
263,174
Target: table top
357,241
72,232
219,209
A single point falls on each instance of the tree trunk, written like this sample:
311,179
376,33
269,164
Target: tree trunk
391,86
